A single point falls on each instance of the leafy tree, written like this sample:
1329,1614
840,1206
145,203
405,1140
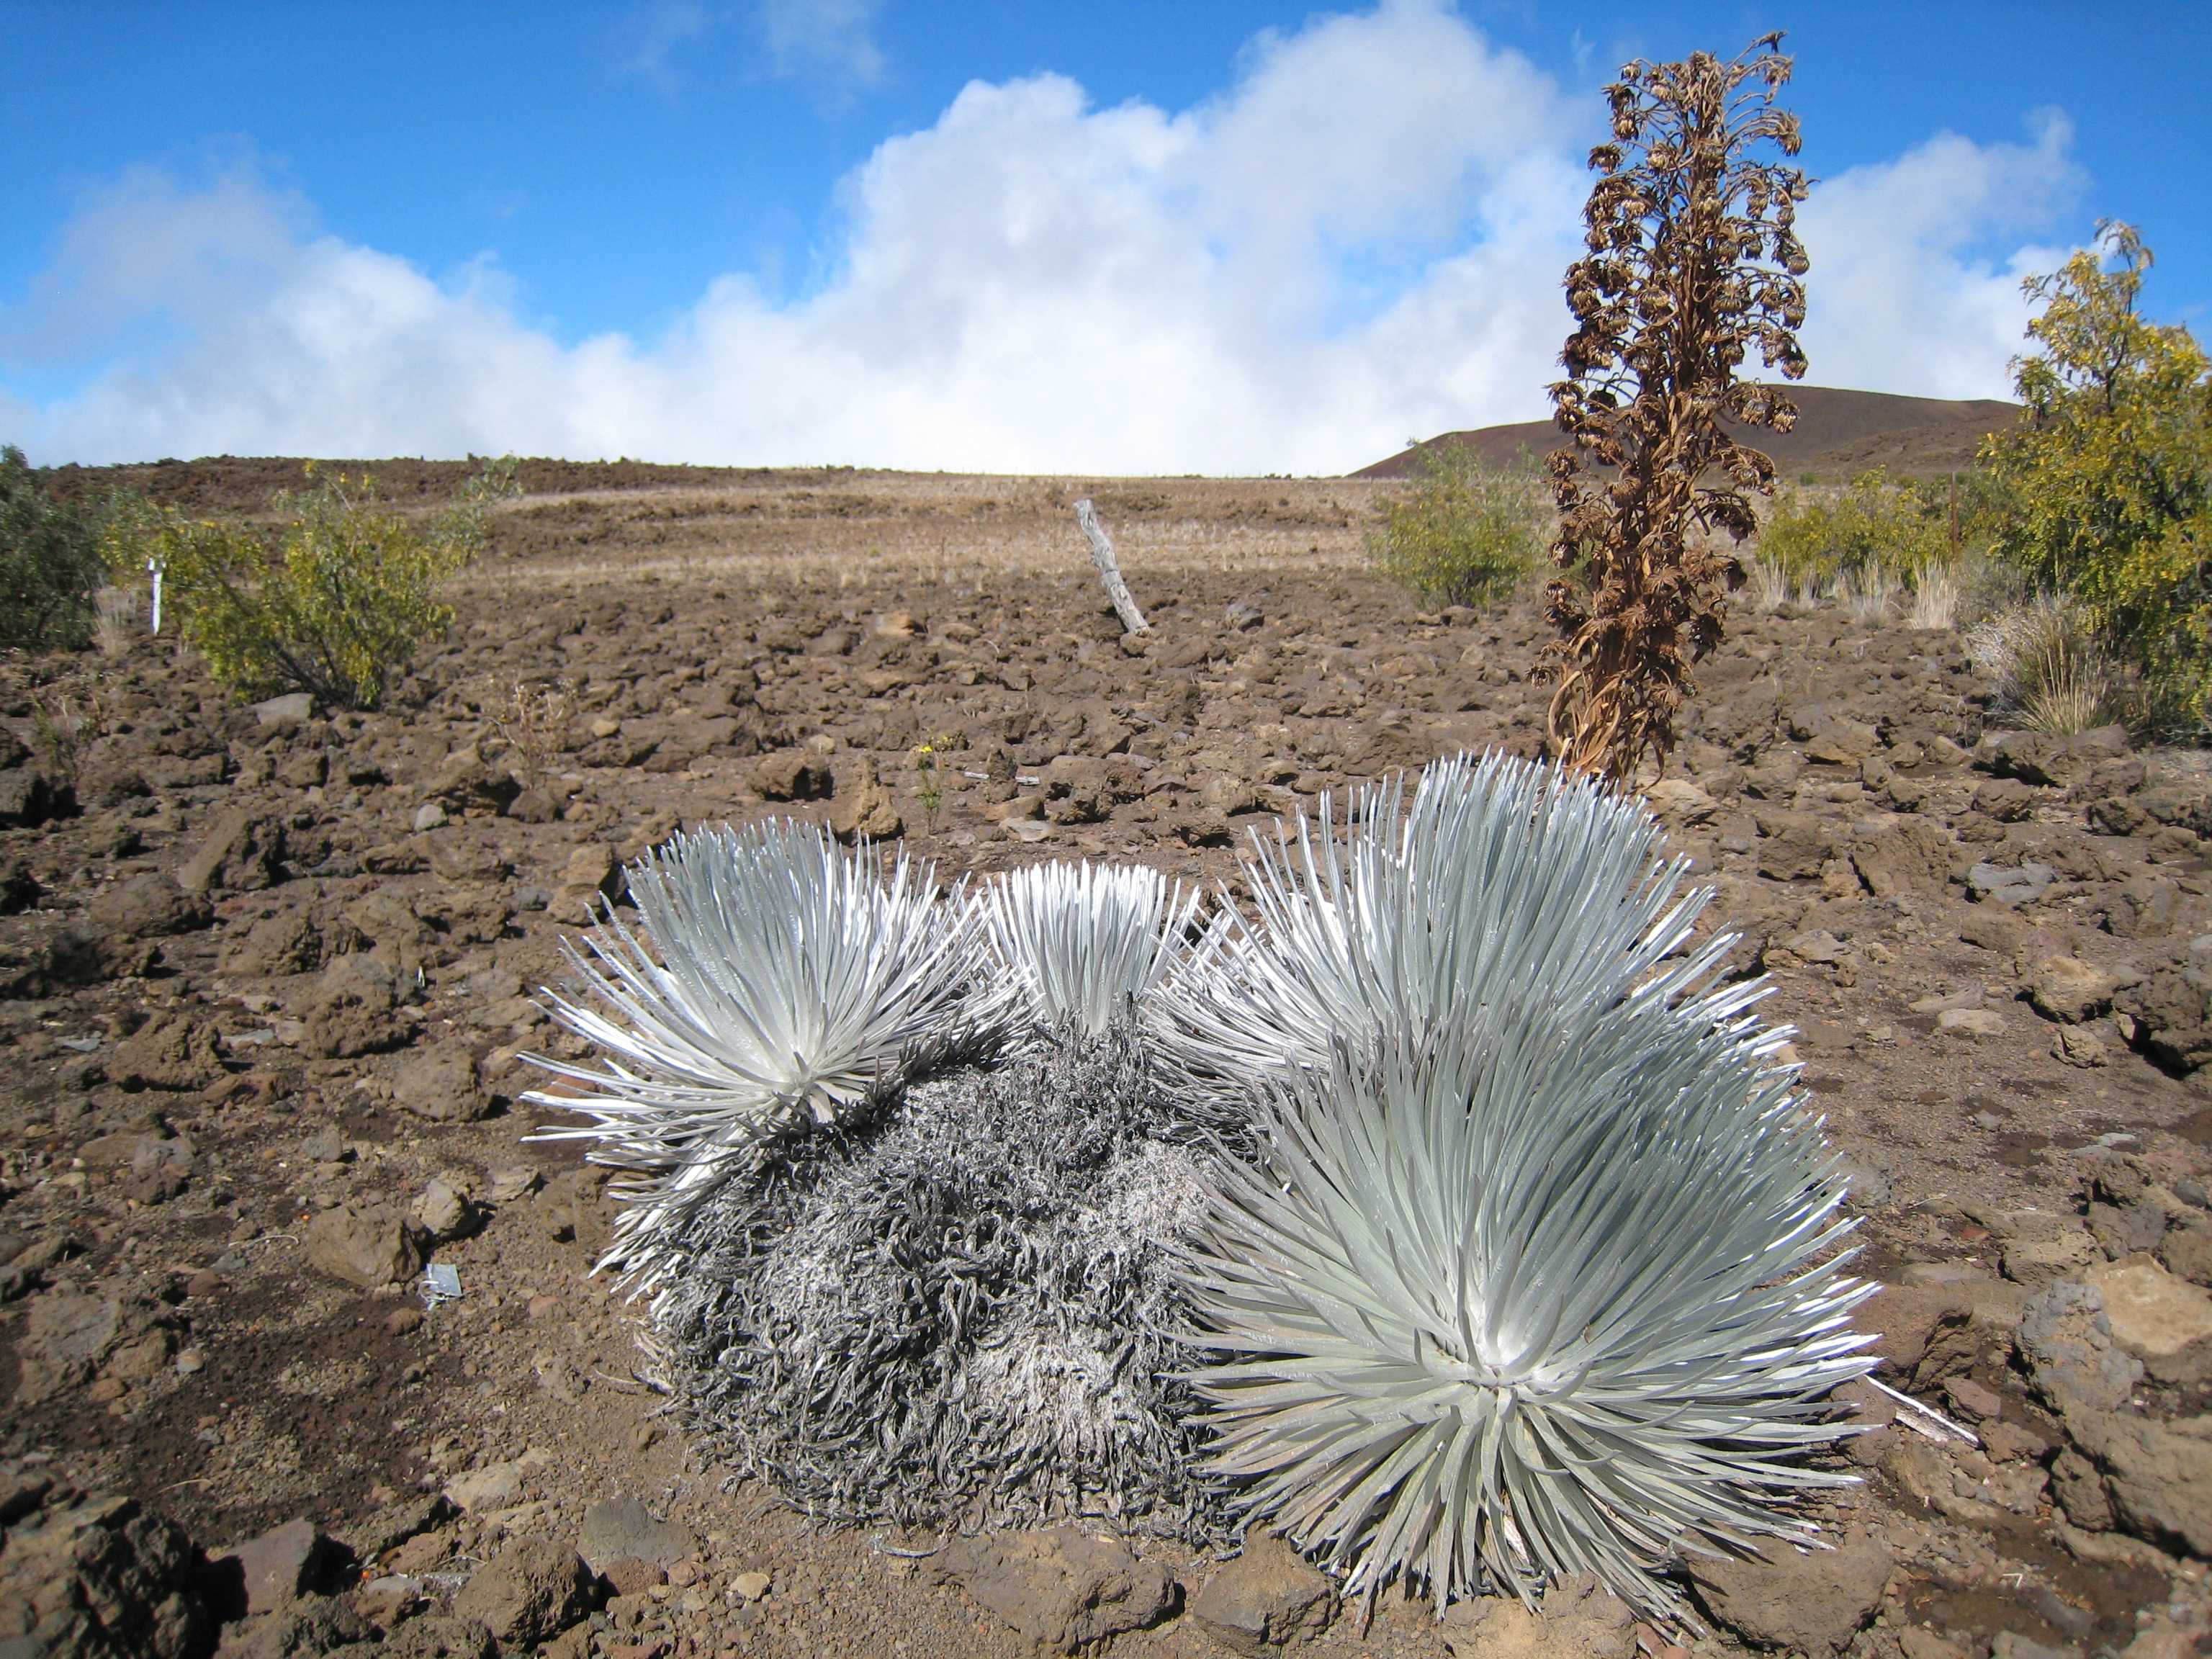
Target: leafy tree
2111,468
1693,264
49,564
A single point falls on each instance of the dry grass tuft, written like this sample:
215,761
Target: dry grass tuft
114,613
2047,665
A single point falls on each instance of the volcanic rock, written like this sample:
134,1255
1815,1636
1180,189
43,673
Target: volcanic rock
531,1591
1064,1589
1268,1595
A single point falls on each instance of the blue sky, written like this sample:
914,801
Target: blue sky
1223,236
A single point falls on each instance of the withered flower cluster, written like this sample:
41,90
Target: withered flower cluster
1694,264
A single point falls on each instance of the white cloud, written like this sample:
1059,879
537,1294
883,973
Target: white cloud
1360,240
826,40
1906,297
654,33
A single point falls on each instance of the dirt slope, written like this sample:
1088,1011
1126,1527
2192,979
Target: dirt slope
1838,434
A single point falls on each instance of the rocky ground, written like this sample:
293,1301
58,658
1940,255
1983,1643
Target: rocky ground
265,978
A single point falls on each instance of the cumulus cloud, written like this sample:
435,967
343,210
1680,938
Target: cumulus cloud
1906,296
831,40
1359,240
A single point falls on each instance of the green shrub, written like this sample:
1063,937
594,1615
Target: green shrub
2112,467
350,591
1872,528
49,564
1464,533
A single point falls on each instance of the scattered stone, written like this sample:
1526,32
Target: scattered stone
2187,1251
1064,1589
29,798
1812,1603
464,780
2067,1342
392,1526
352,1009
2009,886
2165,1321
2077,1045
364,1245
1926,1332
2158,1475
1577,1620
1793,848
284,713
2068,990
1840,742
531,1591
1971,1400
96,1577
64,1340
441,1638
442,1085
430,815
244,853
495,1486
865,808
149,906
591,876
620,1529
2039,1248
1267,1596
1970,1022
1680,805
167,1053
2172,1008
792,775
443,1211
280,1565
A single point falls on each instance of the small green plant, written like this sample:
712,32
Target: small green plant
50,563
351,592
929,784
2112,467
1464,533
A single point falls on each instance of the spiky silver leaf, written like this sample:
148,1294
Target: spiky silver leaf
1541,1295
1500,886
1082,945
788,979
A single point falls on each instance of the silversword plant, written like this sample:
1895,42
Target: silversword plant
1449,1213
794,982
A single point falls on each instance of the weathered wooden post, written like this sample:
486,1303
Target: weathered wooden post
1109,572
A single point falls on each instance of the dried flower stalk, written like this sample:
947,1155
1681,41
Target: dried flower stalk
1693,265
